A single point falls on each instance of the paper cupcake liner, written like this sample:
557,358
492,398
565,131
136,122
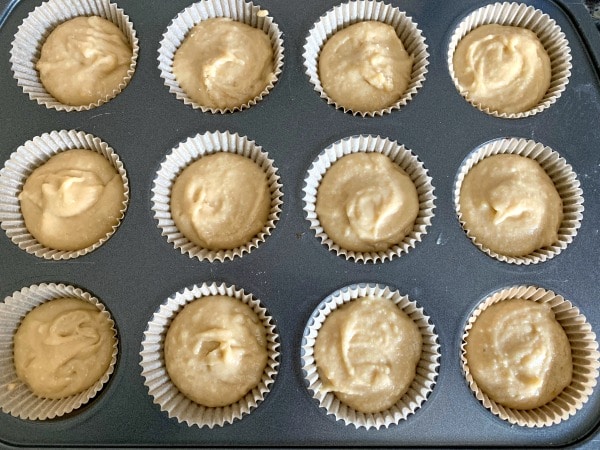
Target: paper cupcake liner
186,153
523,16
350,13
584,350
15,396
237,10
28,41
561,174
427,368
400,156
157,380
28,157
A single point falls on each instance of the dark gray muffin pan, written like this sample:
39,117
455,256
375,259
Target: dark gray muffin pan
136,270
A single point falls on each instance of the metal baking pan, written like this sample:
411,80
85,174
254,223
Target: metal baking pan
292,272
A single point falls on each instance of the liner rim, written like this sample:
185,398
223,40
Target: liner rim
29,406
427,369
520,13
398,154
20,165
374,12
565,314
162,390
191,150
27,61
560,172
170,42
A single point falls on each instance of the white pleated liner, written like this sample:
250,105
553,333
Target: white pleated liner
350,13
400,156
15,396
186,153
238,10
561,174
28,41
584,351
157,380
427,368
523,16
19,166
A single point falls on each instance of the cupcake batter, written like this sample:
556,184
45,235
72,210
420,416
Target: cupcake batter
518,354
63,347
503,68
510,205
224,64
73,200
366,202
365,67
221,201
216,350
367,353
84,60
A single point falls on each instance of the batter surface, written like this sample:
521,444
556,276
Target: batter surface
84,60
221,201
518,354
503,68
73,200
63,347
216,350
366,202
367,352
365,67
510,205
223,63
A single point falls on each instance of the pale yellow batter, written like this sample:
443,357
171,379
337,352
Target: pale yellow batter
366,202
503,68
510,205
365,67
518,354
221,201
223,63
63,347
73,200
367,352
84,60
216,350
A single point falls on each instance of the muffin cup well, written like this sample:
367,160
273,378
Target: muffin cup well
238,10
584,351
561,174
350,13
28,41
186,153
28,157
157,380
15,396
427,368
523,16
400,156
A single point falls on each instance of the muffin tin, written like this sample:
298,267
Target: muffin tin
292,272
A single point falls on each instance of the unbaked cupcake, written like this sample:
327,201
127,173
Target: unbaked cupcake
526,56
366,57
221,56
530,356
490,200
74,56
238,343
217,196
368,198
44,328
377,378
62,181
